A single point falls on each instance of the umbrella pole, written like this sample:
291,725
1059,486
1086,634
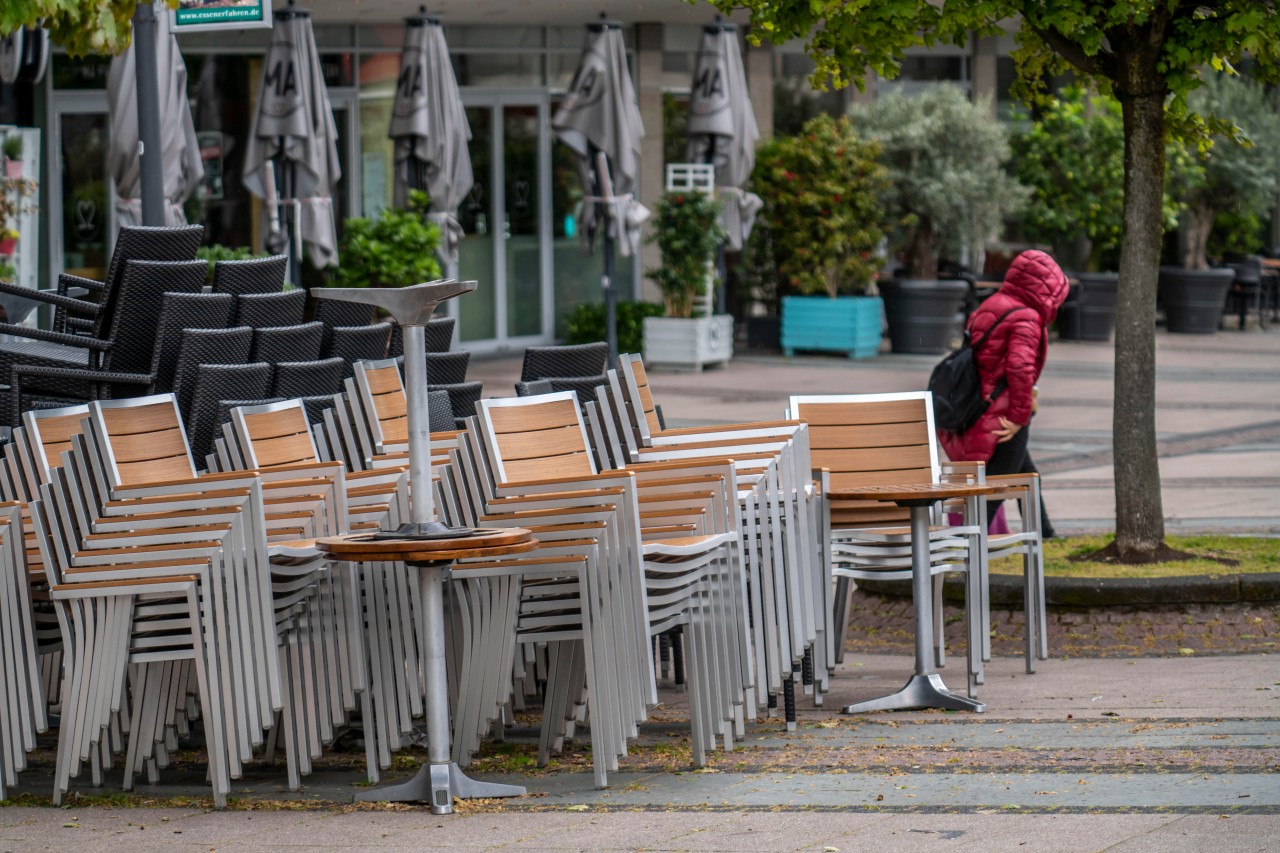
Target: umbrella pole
289,215
719,287
150,148
606,281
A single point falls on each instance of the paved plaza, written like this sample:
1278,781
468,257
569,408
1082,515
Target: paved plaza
1166,751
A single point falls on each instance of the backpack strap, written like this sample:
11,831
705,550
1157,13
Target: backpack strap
992,327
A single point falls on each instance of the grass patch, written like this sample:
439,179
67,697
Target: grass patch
1070,558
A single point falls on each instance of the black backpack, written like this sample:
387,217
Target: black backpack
957,388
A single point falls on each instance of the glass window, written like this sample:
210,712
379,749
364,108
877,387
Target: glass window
338,69
89,72
509,37
497,69
220,89
256,38
378,74
333,35
378,36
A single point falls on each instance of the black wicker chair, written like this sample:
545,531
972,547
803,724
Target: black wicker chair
261,310
564,361
308,378
181,311
463,397
213,384
255,275
358,343
447,368
208,346
1247,290
124,366
82,305
334,313
534,387
438,332
440,412
287,343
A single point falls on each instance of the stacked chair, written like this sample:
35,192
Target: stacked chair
574,367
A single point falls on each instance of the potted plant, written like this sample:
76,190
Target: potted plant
687,233
8,241
820,226
1072,159
13,156
393,249
1233,179
949,191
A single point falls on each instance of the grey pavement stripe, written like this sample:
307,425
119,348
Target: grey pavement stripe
1181,446
1176,483
1173,791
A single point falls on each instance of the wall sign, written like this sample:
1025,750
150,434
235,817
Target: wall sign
192,15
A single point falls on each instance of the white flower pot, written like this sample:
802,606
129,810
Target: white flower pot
688,342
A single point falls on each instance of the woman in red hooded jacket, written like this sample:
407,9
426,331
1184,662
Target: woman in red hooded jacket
1009,362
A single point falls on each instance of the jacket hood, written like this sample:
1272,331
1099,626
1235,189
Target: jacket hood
1036,280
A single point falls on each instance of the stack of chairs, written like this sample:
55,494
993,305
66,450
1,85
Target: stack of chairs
259,633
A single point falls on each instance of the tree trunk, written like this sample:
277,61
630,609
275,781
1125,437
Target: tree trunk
1139,511
1199,227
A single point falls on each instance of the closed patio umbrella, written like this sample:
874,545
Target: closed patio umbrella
430,129
179,159
293,129
599,119
722,127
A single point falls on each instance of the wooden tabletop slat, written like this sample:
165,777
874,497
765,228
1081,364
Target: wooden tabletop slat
912,492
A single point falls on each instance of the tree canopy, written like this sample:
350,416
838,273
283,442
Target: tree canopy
80,26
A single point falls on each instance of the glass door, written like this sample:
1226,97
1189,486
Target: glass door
80,196
506,217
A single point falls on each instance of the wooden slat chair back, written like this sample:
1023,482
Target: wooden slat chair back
382,394
870,440
632,372
146,440
274,434
537,440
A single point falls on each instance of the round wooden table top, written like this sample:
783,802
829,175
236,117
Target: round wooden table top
487,542
912,492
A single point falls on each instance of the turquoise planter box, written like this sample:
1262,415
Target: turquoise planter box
847,324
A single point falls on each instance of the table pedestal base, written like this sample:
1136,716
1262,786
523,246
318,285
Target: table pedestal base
921,691
438,784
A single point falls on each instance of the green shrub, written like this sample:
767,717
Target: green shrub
687,231
586,323
822,209
217,252
396,248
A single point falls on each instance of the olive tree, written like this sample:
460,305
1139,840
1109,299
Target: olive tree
1150,54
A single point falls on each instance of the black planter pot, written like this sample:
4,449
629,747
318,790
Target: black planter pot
764,333
1193,299
1089,314
924,316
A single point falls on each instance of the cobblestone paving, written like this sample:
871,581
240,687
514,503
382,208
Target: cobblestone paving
885,624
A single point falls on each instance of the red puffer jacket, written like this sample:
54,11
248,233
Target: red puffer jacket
1035,287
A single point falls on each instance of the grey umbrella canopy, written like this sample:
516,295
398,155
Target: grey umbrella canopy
430,129
294,128
599,119
722,127
180,151
600,113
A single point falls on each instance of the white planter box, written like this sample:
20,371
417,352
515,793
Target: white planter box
688,343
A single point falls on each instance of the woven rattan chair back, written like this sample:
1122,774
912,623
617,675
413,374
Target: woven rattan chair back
463,397
274,344
357,343
447,368
261,310
141,289
440,412
308,378
438,332
218,382
335,314
871,440
140,242
180,311
208,346
569,360
254,275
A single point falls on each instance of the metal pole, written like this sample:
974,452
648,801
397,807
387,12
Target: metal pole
150,148
600,188
421,499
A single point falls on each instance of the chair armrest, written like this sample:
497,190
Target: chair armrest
779,427
67,280
55,337
20,370
49,298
